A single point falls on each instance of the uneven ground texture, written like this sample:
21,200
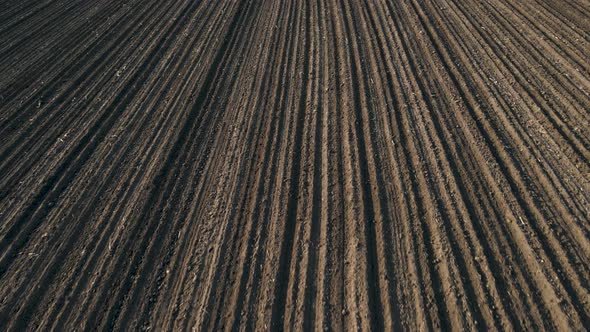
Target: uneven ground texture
327,164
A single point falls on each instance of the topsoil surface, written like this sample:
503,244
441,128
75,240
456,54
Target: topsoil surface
297,164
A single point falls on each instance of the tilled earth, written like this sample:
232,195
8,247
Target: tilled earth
296,164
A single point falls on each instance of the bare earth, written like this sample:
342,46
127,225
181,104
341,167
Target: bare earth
303,164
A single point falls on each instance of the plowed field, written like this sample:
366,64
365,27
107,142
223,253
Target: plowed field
297,164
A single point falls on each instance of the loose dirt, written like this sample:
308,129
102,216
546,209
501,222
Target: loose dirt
298,164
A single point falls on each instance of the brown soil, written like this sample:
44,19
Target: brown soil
303,164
